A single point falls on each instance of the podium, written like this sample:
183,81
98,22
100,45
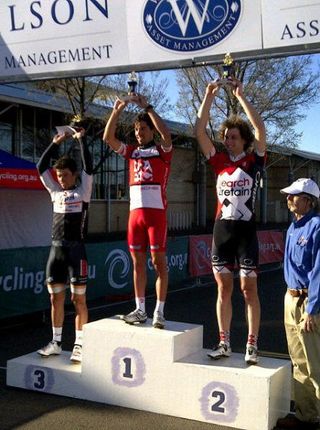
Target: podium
163,371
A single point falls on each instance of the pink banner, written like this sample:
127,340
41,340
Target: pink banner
200,255
271,250
271,246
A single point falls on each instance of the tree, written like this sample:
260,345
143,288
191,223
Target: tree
281,90
82,93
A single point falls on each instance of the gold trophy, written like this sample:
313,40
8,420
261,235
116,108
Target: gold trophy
228,71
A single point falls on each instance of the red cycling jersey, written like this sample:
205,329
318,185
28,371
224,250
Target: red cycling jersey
237,184
149,170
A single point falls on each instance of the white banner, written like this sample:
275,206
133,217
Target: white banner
290,22
52,38
168,32
67,36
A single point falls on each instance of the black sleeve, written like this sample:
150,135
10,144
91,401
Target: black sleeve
44,161
85,158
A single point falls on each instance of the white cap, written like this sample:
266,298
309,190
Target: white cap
302,185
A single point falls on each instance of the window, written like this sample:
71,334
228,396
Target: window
117,175
111,179
6,137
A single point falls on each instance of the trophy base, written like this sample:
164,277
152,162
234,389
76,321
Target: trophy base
225,81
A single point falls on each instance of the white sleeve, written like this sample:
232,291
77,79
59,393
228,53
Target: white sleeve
50,184
86,186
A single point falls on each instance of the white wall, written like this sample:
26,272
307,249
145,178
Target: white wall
25,218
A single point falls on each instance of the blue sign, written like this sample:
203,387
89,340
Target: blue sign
190,25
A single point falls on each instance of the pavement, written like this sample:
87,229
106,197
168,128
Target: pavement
192,302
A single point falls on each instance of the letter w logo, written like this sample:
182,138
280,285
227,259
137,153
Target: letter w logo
183,17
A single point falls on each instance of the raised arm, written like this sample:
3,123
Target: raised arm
44,161
200,128
254,118
157,121
84,151
109,135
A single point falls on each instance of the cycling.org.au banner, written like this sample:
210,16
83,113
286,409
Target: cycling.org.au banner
271,250
51,38
22,274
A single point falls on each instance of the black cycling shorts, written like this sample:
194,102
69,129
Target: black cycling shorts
235,242
67,263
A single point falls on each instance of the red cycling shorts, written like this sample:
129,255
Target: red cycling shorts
147,226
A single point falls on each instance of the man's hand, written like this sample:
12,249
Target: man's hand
79,133
309,323
237,88
139,100
213,87
59,138
119,104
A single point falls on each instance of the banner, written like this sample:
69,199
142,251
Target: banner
271,246
200,255
18,173
288,23
271,250
52,38
22,274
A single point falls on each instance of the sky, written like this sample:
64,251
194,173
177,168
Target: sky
310,127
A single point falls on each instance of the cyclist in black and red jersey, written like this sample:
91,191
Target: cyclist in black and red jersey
67,262
238,171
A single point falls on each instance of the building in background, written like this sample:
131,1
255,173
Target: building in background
27,123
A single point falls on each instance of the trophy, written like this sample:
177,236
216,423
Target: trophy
228,70
132,82
132,85
77,122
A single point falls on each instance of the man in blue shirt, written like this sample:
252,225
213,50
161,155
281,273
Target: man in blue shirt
302,302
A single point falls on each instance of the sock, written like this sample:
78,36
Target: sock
57,334
159,306
225,337
141,303
252,340
79,337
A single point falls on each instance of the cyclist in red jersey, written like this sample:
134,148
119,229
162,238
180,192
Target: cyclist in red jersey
238,171
149,167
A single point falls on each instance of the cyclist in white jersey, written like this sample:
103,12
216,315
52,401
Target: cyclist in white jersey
67,262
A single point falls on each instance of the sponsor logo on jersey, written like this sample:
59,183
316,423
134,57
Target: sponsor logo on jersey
234,190
190,25
145,152
142,170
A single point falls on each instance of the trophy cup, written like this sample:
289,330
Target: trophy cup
132,85
228,71
132,82
77,122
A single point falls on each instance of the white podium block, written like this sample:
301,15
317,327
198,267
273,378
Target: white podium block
164,371
53,375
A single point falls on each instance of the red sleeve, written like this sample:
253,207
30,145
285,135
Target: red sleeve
128,151
166,156
217,159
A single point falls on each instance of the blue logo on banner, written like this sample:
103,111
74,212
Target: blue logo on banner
190,25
